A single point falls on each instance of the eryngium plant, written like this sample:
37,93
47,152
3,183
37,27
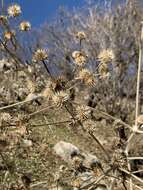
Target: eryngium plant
96,59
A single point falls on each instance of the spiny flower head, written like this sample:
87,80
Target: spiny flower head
79,57
9,34
14,10
82,112
106,56
3,19
60,97
81,35
40,55
25,26
86,76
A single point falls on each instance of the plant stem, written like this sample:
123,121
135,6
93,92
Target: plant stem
138,83
2,7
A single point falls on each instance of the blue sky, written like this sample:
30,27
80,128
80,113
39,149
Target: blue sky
39,11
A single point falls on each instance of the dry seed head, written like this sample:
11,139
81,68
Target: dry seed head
87,77
25,26
59,98
76,54
14,10
82,112
81,35
79,57
40,55
106,56
9,34
3,19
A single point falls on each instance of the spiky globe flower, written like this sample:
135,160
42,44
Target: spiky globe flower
40,55
59,98
8,35
79,57
14,10
81,35
3,19
82,112
87,77
25,26
106,56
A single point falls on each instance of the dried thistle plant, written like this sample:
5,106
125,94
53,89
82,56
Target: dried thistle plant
81,35
8,35
3,19
87,77
58,92
25,26
106,56
40,55
83,112
14,10
59,98
79,57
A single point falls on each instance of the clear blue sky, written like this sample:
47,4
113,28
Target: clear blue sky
39,11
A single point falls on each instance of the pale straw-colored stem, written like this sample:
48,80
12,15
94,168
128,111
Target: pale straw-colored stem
135,158
131,175
136,112
18,103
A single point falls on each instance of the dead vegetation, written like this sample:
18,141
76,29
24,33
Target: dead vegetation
71,114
